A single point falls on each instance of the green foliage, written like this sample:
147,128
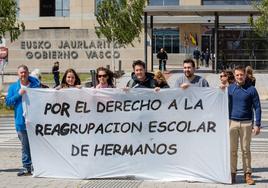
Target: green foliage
261,23
8,19
120,20
3,108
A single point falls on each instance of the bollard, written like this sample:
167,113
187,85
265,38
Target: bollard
93,77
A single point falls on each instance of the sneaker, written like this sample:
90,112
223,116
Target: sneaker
24,172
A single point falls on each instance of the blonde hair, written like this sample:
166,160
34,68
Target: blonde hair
249,72
158,75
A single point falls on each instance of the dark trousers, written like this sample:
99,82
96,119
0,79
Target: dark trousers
57,79
162,64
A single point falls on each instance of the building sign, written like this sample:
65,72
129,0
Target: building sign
69,49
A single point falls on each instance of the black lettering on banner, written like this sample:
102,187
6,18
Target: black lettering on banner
74,128
189,127
100,107
201,127
184,124
130,150
211,126
164,149
127,105
65,128
199,104
47,129
81,107
185,105
152,125
109,105
109,149
118,106
139,150
99,149
148,148
162,127
56,129
83,151
116,127
39,130
173,104
117,149
156,104
57,107
173,149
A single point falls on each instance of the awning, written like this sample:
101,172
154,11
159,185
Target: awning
202,10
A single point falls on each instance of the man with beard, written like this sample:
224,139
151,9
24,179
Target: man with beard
189,78
140,78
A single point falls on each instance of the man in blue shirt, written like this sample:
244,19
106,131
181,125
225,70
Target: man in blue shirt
243,98
14,98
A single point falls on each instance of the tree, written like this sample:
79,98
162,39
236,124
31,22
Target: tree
119,21
261,23
8,19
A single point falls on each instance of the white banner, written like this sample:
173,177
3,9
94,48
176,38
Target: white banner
171,135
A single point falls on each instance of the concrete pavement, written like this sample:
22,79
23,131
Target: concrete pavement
10,162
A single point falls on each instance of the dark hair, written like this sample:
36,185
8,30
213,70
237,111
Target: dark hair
77,79
138,62
189,60
24,67
230,76
240,67
109,73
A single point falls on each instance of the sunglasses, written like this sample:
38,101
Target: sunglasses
103,75
223,76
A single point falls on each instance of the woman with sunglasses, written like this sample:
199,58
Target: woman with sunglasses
105,78
70,79
226,77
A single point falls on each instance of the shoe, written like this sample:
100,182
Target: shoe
233,178
248,179
24,172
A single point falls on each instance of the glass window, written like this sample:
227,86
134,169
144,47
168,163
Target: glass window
54,7
166,38
227,2
62,7
242,46
96,4
164,2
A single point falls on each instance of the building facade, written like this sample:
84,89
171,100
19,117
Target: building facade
64,31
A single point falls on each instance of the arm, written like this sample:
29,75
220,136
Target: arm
12,97
257,107
205,83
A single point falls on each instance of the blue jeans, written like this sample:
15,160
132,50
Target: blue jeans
26,154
